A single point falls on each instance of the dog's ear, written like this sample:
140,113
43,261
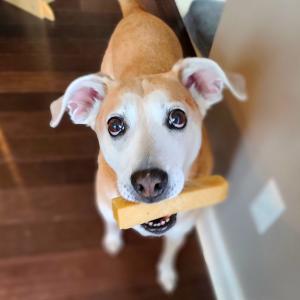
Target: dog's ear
205,80
82,99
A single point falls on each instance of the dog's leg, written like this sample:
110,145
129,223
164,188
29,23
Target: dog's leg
112,241
167,275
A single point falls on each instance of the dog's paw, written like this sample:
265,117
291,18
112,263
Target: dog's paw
167,279
112,244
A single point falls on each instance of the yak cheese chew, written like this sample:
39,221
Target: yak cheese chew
200,192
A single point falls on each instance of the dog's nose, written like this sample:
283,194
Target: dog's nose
149,183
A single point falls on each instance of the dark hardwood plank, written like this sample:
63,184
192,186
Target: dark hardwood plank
50,237
58,172
28,102
41,46
102,7
36,174
43,62
7,180
36,124
61,31
88,273
13,16
36,82
47,204
53,148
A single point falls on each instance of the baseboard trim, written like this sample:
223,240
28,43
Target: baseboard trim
222,274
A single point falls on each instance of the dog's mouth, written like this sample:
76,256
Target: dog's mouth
161,225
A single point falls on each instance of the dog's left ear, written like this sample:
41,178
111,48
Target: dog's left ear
82,100
206,81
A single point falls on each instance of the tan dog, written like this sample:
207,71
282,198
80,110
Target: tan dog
147,107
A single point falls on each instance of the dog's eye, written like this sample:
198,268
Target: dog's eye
176,119
116,126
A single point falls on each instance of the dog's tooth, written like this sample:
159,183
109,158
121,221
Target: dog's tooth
168,219
162,222
150,223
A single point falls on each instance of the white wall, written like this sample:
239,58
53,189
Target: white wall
261,39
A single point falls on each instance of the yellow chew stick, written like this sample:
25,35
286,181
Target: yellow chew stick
200,192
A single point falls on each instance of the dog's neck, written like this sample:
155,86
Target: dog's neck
203,164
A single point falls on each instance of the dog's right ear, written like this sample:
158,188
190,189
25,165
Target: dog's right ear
82,100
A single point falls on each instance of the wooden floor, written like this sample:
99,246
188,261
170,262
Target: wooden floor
49,230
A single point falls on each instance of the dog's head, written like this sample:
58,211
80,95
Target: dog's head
149,128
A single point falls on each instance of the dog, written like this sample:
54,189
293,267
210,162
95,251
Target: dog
147,106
